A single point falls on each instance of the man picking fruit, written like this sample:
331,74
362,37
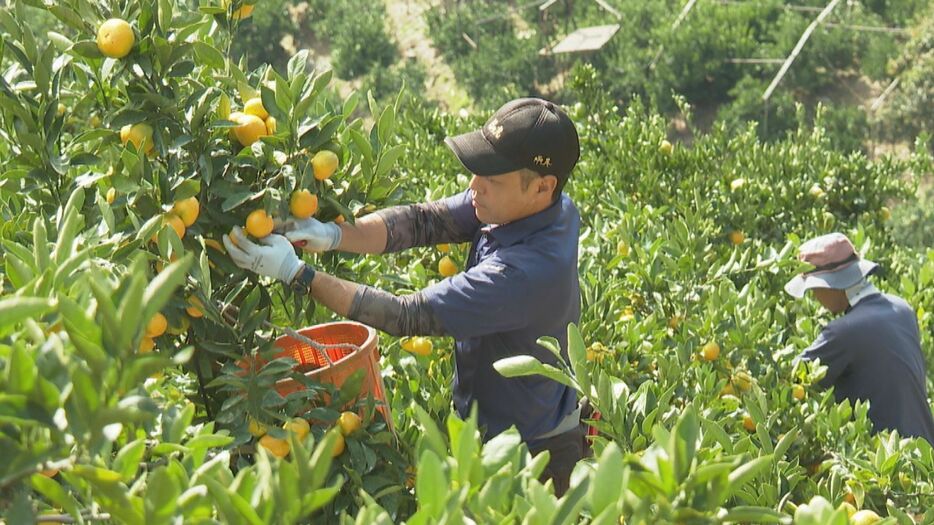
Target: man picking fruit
520,281
872,352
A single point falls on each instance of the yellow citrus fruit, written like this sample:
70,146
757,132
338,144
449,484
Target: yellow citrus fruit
183,325
675,321
235,118
710,351
865,517
421,346
139,134
303,204
443,248
341,444
748,423
324,164
241,13
111,195
798,392
146,344
816,191
115,38
176,223
349,422
256,428
737,237
259,224
188,209
297,426
339,219
446,267
249,129
271,125
848,507
742,380
665,148
157,325
195,307
728,390
277,447
254,107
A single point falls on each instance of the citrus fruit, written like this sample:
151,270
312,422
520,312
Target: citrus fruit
748,423
865,517
710,351
848,507
816,191
728,390
303,204
339,448
250,128
349,422
195,307
443,248
271,125
421,346
115,38
140,134
157,325
297,426
176,223
446,267
324,164
254,107
339,219
146,344
737,237
277,447
665,148
259,224
798,392
188,209
256,428
742,380
111,195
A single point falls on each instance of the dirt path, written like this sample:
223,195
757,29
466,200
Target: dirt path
408,26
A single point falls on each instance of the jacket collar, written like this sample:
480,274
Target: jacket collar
513,232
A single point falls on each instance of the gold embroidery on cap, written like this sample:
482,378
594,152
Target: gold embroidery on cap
542,161
495,128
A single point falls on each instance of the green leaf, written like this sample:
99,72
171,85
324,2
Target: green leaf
743,514
606,489
129,458
526,365
16,309
162,287
747,472
162,491
431,485
54,492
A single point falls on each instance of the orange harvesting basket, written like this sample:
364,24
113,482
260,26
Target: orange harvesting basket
335,339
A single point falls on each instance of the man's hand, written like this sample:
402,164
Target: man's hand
311,234
274,256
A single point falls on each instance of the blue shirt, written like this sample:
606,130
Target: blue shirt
874,353
520,283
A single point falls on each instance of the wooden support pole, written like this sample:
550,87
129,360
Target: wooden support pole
797,50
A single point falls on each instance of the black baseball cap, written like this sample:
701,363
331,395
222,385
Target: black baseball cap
525,133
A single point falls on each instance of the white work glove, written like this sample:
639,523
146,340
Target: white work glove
274,256
311,234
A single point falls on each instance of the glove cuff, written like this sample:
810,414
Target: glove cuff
335,233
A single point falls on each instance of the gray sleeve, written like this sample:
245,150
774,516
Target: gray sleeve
832,351
421,225
398,316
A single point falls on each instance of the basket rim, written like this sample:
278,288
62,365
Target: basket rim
371,336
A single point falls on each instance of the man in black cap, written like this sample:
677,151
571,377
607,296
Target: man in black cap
873,351
520,281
